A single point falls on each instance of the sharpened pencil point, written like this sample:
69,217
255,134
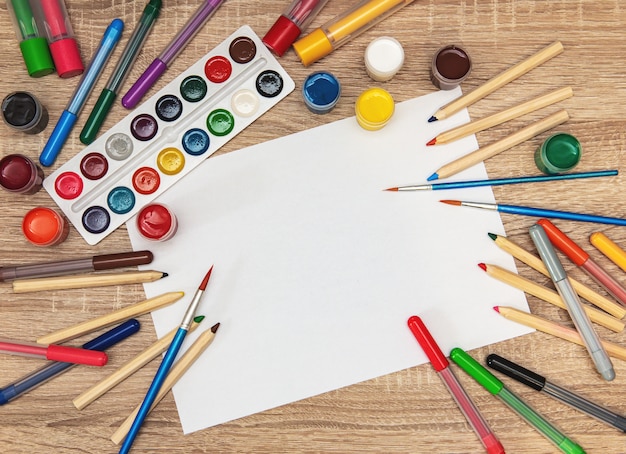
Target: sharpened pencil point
215,327
391,189
493,236
198,319
497,309
205,281
451,202
434,176
164,275
431,119
431,142
482,266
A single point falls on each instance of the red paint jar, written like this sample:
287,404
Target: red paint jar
156,222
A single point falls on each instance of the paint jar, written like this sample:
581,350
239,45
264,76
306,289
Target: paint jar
45,227
558,153
374,108
450,66
321,91
20,174
383,58
156,222
23,111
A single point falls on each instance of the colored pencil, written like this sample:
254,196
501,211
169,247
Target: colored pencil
502,117
554,329
86,281
538,212
130,367
503,181
125,313
498,81
483,153
611,250
165,366
548,295
613,308
177,371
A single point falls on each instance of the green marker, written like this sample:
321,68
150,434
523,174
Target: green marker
497,388
118,76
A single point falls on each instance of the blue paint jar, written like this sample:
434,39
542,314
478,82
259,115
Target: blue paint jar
321,91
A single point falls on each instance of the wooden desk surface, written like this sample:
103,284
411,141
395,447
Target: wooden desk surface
409,411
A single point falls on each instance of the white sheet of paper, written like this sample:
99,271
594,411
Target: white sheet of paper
317,269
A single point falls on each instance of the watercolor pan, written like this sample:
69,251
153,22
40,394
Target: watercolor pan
168,135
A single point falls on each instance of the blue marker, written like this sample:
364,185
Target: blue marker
85,86
42,375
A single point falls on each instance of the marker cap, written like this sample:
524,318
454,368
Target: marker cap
563,243
37,57
475,370
67,58
313,46
281,36
428,343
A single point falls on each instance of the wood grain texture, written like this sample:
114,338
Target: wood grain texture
405,412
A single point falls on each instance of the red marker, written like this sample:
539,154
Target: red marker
575,253
441,365
56,353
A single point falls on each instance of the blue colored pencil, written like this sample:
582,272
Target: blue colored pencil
503,181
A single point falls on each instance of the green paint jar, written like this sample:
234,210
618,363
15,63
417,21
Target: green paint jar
558,153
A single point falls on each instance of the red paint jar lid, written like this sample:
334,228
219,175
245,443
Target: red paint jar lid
156,222
44,227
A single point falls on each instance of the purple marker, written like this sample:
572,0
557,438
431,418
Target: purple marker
161,63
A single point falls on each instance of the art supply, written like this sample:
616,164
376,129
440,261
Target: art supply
134,310
61,40
321,91
149,77
166,364
85,281
558,153
125,371
347,25
68,118
536,212
540,383
121,71
610,249
580,318
30,34
554,329
530,259
502,117
55,353
19,174
295,19
178,370
383,58
23,112
42,375
157,222
499,81
502,181
451,65
549,295
440,363
488,381
582,259
169,135
43,226
58,268
486,152
374,108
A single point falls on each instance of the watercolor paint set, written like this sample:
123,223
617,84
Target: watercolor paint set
170,134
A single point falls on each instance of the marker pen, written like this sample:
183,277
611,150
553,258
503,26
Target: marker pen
60,37
466,405
576,254
54,352
611,250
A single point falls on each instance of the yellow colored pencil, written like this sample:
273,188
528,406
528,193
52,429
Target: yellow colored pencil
611,250
86,281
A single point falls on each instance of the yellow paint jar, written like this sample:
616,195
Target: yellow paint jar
374,108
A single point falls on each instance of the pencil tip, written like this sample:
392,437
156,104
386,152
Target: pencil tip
164,275
451,202
434,176
391,189
497,309
482,266
205,281
431,119
215,327
493,236
431,142
198,319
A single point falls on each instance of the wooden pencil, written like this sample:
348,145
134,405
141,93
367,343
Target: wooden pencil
560,331
501,117
86,281
483,153
177,371
122,314
535,262
132,366
549,295
499,81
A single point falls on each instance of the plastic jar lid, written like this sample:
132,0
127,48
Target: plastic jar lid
44,227
374,108
321,91
383,58
156,222
558,153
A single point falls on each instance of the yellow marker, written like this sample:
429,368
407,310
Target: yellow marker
614,253
374,108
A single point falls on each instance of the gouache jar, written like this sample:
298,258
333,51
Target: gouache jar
558,153
20,174
321,91
374,108
383,58
23,111
45,227
156,222
450,66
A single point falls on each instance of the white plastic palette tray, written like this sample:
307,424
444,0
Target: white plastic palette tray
170,134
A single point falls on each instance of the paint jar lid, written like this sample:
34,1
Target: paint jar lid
312,47
321,91
383,58
67,58
45,227
282,35
374,108
156,222
450,66
20,174
558,153
37,57
21,110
